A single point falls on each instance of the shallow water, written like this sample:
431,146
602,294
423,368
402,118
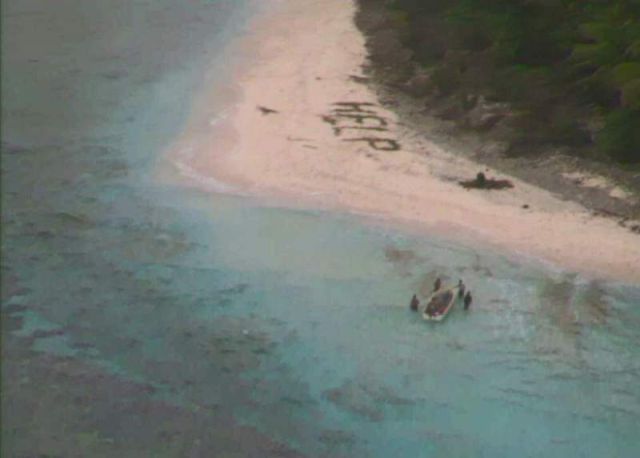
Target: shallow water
292,322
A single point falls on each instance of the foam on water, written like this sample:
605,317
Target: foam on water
183,162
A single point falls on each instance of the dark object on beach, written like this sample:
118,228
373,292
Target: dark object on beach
265,110
461,288
437,284
525,206
415,303
482,182
467,300
329,120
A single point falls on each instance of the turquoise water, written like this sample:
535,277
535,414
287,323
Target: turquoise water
544,361
294,322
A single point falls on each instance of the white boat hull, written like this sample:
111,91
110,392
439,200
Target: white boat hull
443,314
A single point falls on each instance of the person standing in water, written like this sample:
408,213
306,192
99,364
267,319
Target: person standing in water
467,300
461,288
415,303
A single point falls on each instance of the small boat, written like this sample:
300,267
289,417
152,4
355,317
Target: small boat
440,303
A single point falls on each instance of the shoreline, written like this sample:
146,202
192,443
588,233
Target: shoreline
606,189
302,129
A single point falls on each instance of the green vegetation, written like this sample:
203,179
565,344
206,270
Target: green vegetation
570,68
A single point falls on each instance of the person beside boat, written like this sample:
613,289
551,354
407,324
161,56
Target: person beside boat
415,303
467,300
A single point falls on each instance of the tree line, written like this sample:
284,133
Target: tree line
570,68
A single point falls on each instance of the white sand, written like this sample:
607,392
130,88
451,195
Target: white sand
302,55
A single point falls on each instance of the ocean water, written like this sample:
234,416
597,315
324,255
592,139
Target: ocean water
294,323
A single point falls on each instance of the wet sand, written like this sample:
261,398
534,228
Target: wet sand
303,128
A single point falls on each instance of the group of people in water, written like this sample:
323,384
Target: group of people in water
462,293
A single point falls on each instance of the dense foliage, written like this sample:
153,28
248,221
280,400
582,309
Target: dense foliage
571,66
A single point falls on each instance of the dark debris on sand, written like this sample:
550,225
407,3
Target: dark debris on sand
266,110
482,182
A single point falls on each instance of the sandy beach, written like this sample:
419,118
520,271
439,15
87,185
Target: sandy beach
303,127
